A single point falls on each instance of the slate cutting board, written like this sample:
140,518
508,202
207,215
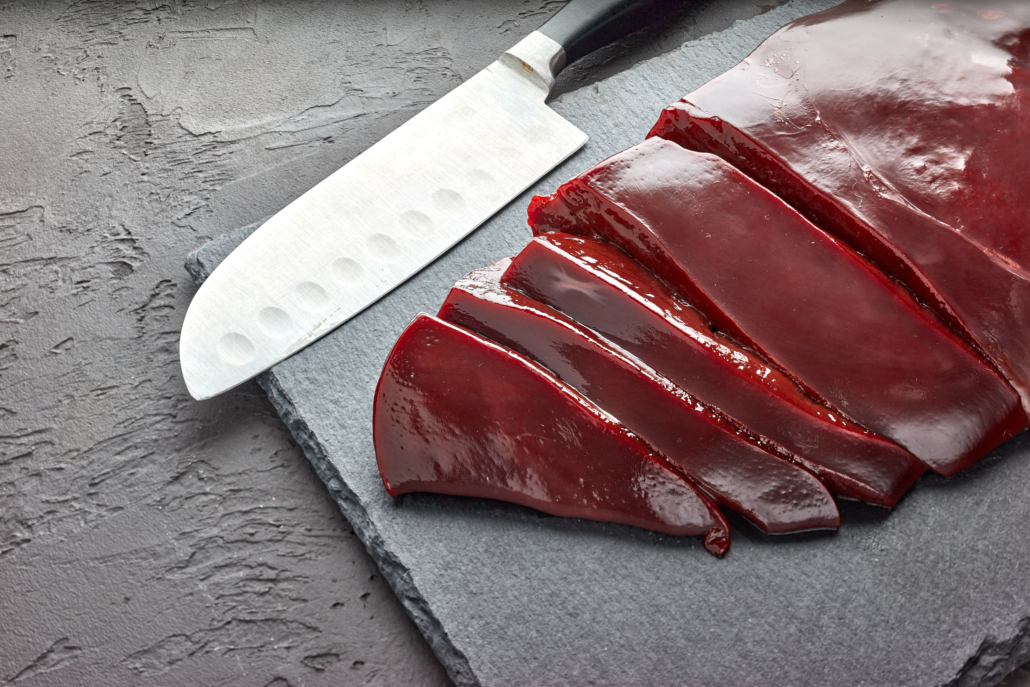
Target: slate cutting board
936,592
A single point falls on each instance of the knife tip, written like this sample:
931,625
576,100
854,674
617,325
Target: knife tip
201,372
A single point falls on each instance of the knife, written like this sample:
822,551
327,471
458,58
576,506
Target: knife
381,218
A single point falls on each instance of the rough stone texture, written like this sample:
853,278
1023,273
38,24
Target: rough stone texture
934,593
146,539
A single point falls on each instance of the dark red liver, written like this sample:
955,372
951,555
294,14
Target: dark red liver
901,127
775,282
458,414
602,288
776,494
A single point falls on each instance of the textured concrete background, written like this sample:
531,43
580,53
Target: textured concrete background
146,538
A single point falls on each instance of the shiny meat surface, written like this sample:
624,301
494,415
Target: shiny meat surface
457,414
775,282
901,127
604,289
776,494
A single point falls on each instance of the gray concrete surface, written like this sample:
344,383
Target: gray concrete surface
145,538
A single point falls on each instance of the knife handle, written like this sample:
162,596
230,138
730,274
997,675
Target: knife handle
583,26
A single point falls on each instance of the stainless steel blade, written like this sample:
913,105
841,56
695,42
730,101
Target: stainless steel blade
377,221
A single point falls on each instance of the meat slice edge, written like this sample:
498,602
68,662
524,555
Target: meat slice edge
776,494
458,414
914,153
601,287
803,300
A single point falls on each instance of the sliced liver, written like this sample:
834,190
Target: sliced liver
776,494
602,288
458,414
775,282
902,128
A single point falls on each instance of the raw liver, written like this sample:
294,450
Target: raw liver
602,288
762,273
901,127
777,495
457,414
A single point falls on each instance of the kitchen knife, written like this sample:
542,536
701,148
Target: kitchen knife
374,223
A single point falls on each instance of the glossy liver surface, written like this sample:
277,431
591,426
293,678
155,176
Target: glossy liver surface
602,288
902,127
775,282
776,494
458,414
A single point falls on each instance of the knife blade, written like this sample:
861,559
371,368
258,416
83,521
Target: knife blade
381,218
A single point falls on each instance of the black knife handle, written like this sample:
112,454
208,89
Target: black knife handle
583,26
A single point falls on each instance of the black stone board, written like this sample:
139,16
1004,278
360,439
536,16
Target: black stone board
935,592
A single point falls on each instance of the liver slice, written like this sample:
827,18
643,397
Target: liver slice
602,288
776,494
458,414
902,128
775,282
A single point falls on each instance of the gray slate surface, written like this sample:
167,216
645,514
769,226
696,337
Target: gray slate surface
936,592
